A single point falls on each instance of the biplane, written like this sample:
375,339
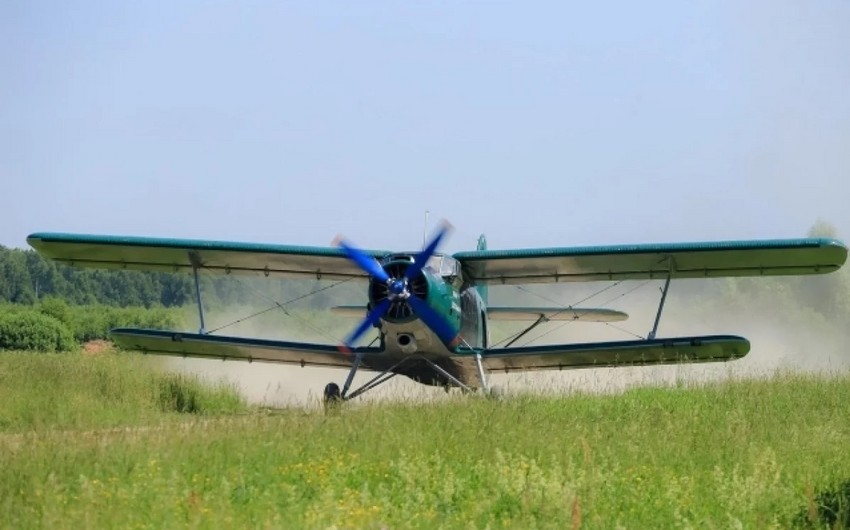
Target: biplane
431,309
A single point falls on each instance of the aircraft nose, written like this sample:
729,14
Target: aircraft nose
396,287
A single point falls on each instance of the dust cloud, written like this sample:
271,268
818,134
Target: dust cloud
280,385
277,385
782,339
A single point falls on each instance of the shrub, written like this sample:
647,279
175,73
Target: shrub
89,323
93,322
32,330
56,308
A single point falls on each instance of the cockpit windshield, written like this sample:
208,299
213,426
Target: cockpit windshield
438,264
444,266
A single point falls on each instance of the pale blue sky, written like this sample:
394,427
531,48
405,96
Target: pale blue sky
539,123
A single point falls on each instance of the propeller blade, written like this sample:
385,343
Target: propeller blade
366,262
426,253
370,320
435,321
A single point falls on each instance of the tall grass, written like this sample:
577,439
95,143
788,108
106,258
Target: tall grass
739,454
76,391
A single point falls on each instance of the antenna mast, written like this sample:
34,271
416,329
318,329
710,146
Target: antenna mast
425,230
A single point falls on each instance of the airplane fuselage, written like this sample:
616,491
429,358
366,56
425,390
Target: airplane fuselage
403,333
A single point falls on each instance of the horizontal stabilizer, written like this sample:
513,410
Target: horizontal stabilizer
523,314
235,348
606,354
555,314
353,311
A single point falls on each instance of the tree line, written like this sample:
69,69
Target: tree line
26,277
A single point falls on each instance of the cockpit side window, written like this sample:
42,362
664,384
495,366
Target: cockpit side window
435,264
445,266
450,267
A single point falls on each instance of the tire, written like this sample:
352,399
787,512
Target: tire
331,395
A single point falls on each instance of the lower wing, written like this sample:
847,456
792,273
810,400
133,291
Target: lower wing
607,354
555,357
237,348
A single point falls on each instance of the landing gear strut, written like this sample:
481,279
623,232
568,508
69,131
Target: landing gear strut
333,394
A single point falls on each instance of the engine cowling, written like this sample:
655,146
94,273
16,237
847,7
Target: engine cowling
400,309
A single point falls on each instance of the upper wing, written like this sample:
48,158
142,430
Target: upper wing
237,348
602,354
634,262
176,255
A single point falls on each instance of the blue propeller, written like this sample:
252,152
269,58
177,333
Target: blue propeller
371,320
426,253
435,321
367,263
397,289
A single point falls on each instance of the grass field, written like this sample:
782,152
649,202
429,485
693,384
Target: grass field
98,441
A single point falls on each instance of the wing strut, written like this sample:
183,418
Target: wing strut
485,384
379,379
195,260
543,318
391,372
652,333
357,359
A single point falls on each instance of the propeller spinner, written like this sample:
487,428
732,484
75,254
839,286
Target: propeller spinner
397,287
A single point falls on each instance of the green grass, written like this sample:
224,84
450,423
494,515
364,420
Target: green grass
741,454
62,391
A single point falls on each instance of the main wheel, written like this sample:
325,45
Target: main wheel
331,395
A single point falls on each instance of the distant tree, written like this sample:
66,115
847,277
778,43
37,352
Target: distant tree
26,277
16,284
175,289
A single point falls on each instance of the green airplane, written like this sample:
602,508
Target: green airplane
431,309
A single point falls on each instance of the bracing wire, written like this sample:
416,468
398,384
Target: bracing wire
281,306
564,310
571,306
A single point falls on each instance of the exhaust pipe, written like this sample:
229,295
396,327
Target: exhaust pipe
406,342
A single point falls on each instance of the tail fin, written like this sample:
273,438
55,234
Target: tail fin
482,289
